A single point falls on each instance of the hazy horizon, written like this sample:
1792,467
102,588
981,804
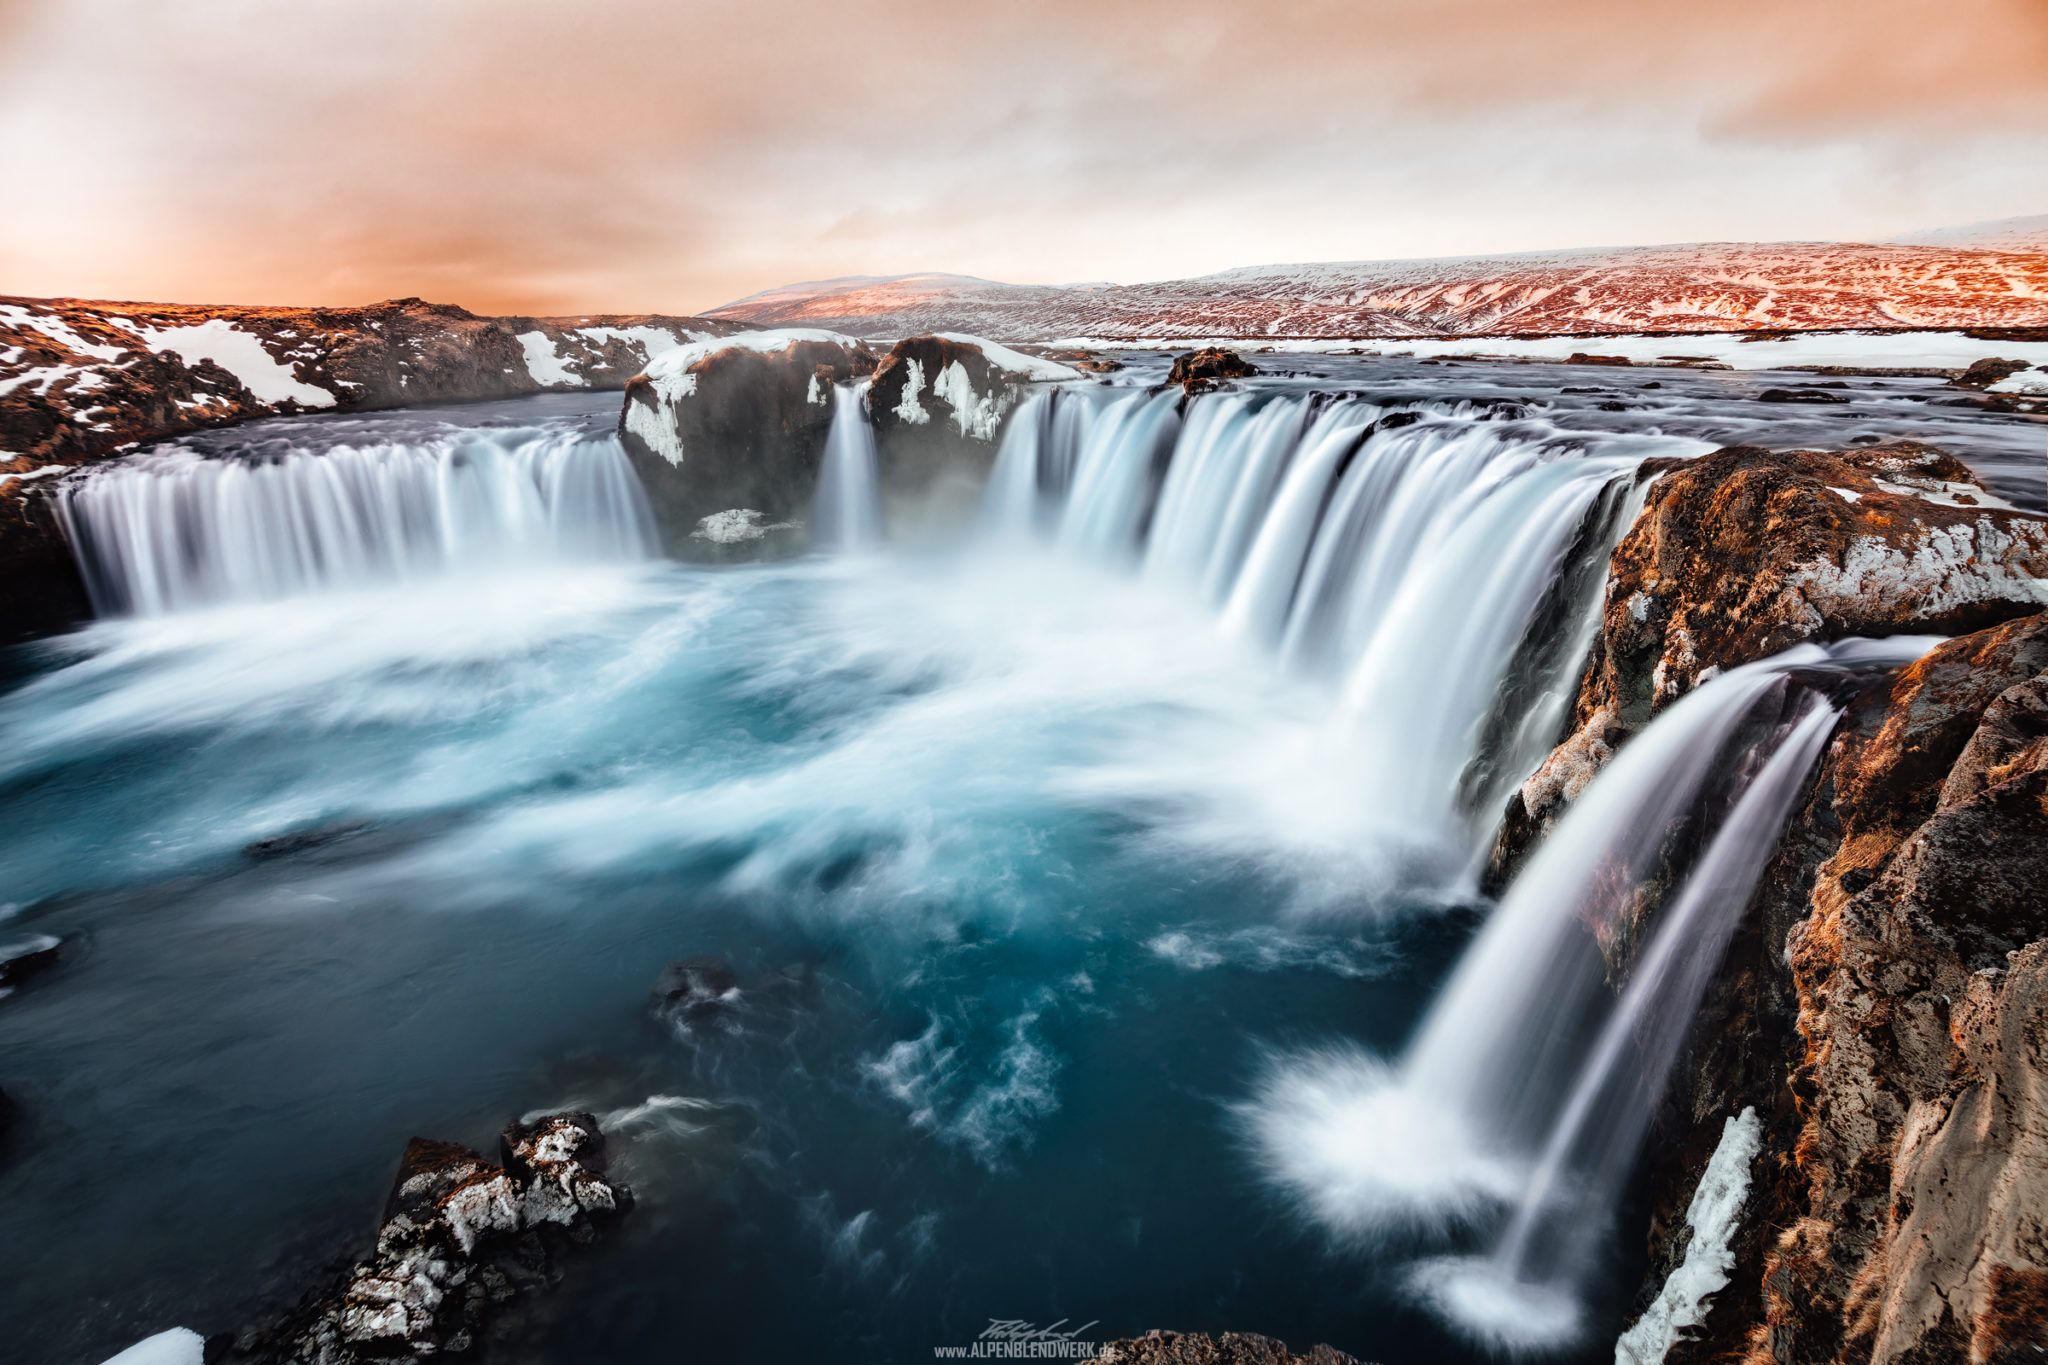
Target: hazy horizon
635,156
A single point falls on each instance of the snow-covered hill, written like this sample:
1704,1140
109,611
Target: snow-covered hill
1710,287
2003,234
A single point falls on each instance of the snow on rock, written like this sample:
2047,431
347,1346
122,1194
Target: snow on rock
1743,552
734,423
908,409
736,526
975,382
241,354
1714,1216
462,1236
544,363
179,1346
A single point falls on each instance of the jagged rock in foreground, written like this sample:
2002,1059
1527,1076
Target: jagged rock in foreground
1744,552
1231,1348
1887,1006
728,435
463,1240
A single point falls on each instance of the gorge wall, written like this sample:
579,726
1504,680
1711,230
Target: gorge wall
1881,1007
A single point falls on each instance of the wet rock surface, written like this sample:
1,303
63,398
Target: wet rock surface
1231,1348
465,1246
720,429
1742,553
1198,371
1885,1006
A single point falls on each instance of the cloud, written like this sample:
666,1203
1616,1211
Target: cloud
538,155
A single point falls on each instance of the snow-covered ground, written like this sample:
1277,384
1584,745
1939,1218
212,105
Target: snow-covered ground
1857,350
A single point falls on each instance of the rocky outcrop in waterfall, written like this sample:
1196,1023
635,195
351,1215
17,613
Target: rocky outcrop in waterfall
728,435
1745,552
464,1240
1198,371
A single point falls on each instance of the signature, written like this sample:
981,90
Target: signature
1016,1329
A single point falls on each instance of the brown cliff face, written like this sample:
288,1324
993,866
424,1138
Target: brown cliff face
1742,553
1883,1007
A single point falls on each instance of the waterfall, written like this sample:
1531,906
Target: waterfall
846,510
171,530
1522,1103
1434,564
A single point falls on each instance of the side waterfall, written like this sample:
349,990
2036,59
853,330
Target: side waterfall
172,530
1439,566
846,510
1520,1109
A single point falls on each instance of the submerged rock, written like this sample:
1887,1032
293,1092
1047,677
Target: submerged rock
1231,1348
1744,552
23,956
462,1239
1198,371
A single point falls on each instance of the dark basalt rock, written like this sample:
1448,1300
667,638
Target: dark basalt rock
464,1242
1583,358
1799,396
1198,371
737,430
22,957
41,590
1231,1348
1982,374
698,993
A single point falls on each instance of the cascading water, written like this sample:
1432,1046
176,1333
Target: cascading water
172,530
1520,1107
846,510
1416,558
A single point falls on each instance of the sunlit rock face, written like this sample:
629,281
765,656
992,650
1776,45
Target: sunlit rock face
78,378
80,381
1883,1007
1743,553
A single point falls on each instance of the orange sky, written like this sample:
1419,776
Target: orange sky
670,155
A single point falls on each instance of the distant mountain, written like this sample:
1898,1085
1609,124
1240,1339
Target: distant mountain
2002,234
1707,287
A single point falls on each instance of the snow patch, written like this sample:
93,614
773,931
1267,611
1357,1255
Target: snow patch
816,392
1714,1215
59,331
544,362
179,1346
735,526
45,472
978,414
1849,495
655,424
909,410
241,354
1028,367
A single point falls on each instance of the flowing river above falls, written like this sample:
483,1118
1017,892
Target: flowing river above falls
1033,852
